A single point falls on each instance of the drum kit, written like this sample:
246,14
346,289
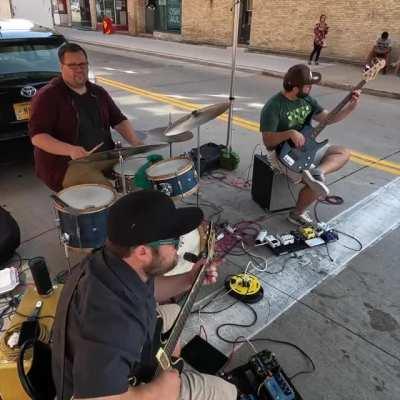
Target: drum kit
82,210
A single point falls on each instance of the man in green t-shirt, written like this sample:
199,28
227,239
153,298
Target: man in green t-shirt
282,119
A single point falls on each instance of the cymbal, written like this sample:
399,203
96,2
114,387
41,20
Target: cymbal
196,118
124,151
158,134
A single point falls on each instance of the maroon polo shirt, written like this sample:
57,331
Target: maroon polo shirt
54,113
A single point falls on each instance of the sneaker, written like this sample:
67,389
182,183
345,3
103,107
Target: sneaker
316,185
300,219
316,63
309,62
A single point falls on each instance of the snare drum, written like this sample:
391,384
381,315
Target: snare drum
175,177
131,166
193,242
89,228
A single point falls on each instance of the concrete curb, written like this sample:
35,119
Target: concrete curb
274,74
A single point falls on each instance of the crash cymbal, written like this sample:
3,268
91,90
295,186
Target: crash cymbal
196,118
124,151
158,134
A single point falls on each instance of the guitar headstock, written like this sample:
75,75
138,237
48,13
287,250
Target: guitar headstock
371,73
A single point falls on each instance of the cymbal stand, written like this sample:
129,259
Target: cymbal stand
170,144
198,164
121,165
236,17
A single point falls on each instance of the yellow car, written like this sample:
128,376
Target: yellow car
307,232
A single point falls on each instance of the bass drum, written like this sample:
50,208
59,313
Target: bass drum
193,242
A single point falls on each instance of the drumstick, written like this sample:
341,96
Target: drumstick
95,148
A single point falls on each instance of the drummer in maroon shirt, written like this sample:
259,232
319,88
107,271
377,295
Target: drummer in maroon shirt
70,117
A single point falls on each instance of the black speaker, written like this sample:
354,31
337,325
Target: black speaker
40,275
271,189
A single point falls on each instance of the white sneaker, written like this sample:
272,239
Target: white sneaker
300,219
316,185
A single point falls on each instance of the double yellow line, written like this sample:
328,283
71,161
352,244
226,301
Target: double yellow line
357,157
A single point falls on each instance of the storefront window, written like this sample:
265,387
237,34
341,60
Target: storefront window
168,15
115,9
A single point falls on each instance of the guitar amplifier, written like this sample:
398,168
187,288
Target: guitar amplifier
270,189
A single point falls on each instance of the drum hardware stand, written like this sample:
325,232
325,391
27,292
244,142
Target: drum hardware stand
198,165
121,164
236,9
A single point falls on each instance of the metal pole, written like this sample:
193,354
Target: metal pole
198,164
236,10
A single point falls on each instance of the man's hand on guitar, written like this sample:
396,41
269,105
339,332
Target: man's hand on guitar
211,274
355,99
297,138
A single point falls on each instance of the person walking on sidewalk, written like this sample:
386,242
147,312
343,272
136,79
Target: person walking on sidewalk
320,32
282,119
71,117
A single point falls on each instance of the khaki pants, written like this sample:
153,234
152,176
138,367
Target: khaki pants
194,385
91,172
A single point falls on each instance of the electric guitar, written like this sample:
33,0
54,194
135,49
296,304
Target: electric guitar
165,344
299,159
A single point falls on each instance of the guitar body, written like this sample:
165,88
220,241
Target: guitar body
299,159
146,373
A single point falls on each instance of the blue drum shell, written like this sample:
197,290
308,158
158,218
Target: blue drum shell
178,185
93,228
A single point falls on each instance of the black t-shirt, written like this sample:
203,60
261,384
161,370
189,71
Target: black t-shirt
110,328
91,130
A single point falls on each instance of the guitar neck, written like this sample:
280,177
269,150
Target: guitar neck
185,312
317,130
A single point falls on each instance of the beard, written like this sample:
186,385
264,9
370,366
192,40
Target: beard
160,265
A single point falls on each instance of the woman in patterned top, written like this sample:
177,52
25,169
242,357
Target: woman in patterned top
320,32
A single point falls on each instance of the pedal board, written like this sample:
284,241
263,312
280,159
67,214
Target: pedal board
262,378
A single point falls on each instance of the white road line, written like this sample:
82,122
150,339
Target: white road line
368,220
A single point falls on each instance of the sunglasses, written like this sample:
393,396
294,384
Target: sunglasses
171,242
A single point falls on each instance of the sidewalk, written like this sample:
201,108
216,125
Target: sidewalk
336,75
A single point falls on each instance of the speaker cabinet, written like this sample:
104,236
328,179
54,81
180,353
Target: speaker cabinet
270,189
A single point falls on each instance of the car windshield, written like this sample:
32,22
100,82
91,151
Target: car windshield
28,58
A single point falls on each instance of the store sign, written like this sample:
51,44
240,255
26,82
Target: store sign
173,14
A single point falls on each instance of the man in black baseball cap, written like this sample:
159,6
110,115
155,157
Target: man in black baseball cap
283,118
106,317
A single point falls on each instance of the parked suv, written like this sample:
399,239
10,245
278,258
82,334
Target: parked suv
28,61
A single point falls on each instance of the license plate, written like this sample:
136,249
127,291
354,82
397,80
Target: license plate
22,111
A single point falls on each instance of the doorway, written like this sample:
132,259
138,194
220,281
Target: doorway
246,9
80,13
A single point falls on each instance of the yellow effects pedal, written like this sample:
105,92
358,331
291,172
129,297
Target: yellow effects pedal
245,287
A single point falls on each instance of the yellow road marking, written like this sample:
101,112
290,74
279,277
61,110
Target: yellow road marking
357,157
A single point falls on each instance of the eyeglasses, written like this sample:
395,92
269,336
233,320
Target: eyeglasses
158,243
77,66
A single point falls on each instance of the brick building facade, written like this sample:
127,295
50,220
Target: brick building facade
269,25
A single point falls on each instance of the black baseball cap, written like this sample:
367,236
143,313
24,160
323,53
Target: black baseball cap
301,74
148,216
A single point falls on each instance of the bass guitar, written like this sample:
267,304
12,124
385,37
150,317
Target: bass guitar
165,344
299,159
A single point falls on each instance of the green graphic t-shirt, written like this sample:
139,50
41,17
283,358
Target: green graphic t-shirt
281,114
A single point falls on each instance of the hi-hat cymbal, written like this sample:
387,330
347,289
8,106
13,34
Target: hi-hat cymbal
158,134
124,151
196,118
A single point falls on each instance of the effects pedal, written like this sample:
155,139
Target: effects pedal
277,388
245,287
